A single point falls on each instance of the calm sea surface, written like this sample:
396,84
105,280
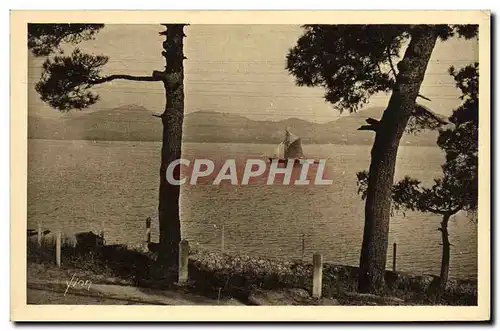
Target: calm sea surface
86,185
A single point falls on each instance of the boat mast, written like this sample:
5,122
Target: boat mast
286,143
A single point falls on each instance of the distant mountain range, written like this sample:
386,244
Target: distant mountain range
136,123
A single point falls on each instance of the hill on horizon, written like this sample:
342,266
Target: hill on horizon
136,123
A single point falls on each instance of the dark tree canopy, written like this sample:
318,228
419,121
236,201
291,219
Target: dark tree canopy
354,62
461,142
45,39
467,80
66,79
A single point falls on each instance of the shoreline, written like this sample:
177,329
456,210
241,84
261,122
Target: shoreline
275,254
367,144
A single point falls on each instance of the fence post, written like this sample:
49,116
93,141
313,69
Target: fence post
183,261
39,234
317,275
222,239
148,230
102,230
303,247
58,249
394,248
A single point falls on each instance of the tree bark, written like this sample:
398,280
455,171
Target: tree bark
383,158
445,258
172,120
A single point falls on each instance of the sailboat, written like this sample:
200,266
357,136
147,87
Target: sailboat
289,149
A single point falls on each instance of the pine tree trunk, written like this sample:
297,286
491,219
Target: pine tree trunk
172,119
445,258
383,158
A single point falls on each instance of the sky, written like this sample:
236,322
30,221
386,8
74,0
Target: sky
237,69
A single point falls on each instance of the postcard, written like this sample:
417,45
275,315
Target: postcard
250,166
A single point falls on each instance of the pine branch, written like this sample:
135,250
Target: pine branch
367,128
372,125
456,210
126,77
435,211
390,62
372,121
423,97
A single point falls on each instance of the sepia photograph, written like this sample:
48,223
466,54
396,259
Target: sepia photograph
304,163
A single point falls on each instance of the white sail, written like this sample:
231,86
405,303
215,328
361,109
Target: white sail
280,150
289,148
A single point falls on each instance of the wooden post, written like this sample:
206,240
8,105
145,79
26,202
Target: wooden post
303,247
183,262
222,243
39,234
394,248
102,229
148,230
58,249
317,275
